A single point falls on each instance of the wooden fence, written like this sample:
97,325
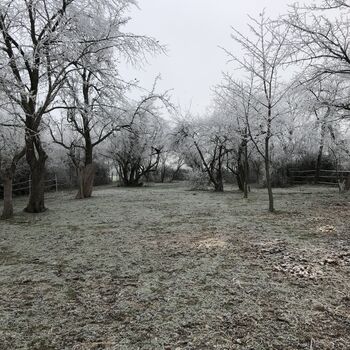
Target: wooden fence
325,177
24,186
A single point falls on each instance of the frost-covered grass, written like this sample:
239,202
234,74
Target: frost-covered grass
166,268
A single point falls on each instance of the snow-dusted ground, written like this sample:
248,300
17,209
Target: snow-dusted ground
166,268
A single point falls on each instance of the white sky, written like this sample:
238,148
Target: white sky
193,30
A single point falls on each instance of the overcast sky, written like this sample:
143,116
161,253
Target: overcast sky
193,30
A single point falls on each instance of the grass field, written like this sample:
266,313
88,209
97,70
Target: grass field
162,267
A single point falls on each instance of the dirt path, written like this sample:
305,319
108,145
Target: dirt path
166,268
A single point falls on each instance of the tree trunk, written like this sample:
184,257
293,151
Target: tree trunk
240,184
7,212
257,169
8,176
219,183
86,175
36,203
318,165
86,172
240,169
219,186
36,158
268,175
176,172
246,175
320,154
134,182
163,173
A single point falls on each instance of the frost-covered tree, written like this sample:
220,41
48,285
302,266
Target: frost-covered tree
11,152
94,108
94,96
32,70
320,98
263,55
319,36
319,39
235,99
203,142
42,42
136,150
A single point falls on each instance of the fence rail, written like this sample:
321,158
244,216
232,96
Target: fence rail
321,170
323,176
52,183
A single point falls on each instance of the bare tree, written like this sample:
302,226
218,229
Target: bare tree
94,97
136,151
41,43
11,152
91,115
323,95
31,74
207,138
235,98
319,37
264,54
